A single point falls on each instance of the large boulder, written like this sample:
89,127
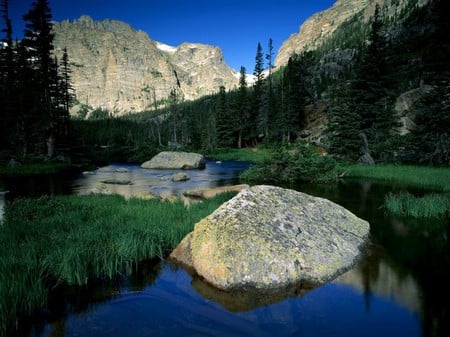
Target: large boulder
268,237
175,160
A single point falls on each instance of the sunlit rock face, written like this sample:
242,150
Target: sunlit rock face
119,69
268,237
320,26
175,160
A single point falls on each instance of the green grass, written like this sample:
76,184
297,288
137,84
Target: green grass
434,178
28,169
428,206
252,155
73,239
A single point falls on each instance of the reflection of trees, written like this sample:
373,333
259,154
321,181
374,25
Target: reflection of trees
65,300
412,270
377,276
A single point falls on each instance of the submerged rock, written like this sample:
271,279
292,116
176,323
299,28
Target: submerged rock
180,176
117,181
268,237
175,160
205,193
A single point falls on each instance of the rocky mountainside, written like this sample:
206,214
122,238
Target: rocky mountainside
320,26
119,69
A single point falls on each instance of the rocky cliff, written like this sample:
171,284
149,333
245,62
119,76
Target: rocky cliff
320,26
119,69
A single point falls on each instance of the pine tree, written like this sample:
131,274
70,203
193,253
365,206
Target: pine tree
432,134
38,44
372,91
175,119
270,104
344,124
258,113
6,79
295,96
224,123
67,95
241,110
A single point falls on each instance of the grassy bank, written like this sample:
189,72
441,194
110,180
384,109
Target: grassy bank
252,155
434,178
72,239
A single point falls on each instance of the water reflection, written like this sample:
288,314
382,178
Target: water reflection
170,306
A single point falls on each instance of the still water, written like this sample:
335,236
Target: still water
399,288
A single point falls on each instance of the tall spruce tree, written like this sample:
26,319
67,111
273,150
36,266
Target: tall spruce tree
270,102
344,123
258,113
241,110
295,96
6,78
67,95
38,46
371,91
224,123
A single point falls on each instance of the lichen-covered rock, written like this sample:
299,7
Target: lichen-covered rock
268,237
175,160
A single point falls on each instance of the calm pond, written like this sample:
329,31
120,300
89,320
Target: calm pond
400,288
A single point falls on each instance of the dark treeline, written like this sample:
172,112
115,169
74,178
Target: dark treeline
35,87
358,73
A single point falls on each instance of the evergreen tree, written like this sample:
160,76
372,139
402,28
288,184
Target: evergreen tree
224,122
6,78
66,94
344,124
373,97
258,113
175,118
38,44
295,96
432,134
241,110
270,104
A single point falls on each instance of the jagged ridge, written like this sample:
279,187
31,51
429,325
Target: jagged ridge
119,69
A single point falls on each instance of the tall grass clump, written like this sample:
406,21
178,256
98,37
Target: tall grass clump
72,239
436,178
428,206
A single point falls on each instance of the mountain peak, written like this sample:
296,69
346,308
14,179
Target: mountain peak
119,69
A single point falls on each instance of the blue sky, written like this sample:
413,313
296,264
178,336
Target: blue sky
236,26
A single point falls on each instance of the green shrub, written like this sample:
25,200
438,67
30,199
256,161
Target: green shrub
300,164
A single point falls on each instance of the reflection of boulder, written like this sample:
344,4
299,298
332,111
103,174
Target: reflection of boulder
246,300
270,238
175,160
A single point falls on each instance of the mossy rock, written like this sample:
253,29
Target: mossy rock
268,237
